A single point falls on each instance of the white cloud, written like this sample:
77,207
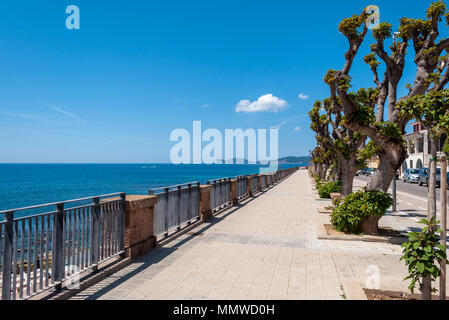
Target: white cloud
18,115
67,113
303,96
279,125
266,102
297,129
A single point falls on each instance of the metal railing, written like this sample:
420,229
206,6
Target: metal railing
42,250
254,183
263,182
46,246
176,206
220,195
241,187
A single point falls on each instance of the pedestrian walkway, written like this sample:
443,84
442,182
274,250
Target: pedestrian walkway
265,248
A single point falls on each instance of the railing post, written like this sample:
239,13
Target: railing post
7,256
179,208
58,247
167,192
95,234
122,223
189,204
234,190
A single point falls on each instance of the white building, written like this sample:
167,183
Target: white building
418,148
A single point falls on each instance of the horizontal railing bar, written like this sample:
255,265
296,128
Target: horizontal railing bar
60,202
37,215
177,185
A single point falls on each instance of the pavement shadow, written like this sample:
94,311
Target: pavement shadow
163,252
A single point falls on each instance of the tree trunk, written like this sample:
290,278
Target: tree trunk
370,225
433,177
348,169
323,171
339,174
333,174
426,292
389,163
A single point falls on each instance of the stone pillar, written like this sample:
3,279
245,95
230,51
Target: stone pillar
234,191
205,210
249,189
139,237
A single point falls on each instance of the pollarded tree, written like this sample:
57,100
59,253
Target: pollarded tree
387,133
324,153
347,144
321,161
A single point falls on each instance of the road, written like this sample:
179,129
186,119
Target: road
411,188
412,206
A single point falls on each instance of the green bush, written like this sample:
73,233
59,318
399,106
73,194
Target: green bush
423,254
348,215
325,189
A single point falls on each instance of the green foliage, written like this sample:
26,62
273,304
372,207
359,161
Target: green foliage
350,25
446,147
436,9
343,146
383,31
344,83
330,76
325,189
364,102
349,214
432,109
369,151
317,180
389,130
423,254
371,60
419,27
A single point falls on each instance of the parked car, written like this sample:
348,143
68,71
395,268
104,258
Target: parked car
424,177
411,175
364,172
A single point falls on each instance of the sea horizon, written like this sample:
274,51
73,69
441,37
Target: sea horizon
27,184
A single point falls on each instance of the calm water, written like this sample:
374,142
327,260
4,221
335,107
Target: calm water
31,184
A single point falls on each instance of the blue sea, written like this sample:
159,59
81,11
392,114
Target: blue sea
32,184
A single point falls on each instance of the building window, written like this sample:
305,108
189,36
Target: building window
419,164
411,163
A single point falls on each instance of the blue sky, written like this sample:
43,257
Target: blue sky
115,89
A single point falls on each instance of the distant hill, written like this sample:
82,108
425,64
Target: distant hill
292,159
284,160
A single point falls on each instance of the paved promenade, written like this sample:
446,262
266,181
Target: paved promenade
266,248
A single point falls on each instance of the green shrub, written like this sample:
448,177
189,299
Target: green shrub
325,189
317,180
423,254
348,215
